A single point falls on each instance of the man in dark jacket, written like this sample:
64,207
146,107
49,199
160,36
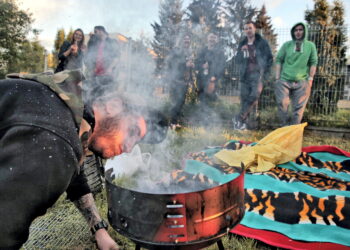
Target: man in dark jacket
180,65
210,67
254,58
101,61
43,137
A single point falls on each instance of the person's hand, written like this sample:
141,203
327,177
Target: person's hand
74,48
104,241
244,47
189,64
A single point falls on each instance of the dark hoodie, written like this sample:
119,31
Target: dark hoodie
263,56
296,64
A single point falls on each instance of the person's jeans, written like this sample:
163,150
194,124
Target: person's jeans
251,88
297,93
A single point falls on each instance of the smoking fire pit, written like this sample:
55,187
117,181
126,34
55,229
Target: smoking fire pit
190,220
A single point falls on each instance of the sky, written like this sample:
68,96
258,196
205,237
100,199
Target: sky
133,17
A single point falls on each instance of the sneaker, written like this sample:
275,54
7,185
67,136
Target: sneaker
235,123
238,125
243,126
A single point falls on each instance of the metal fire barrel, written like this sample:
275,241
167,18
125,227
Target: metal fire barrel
176,221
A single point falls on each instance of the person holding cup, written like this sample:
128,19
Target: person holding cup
71,52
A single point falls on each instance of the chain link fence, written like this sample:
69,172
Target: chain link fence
62,227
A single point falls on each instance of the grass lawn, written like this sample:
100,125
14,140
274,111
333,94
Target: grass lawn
69,231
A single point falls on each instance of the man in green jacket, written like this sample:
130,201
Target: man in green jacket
295,69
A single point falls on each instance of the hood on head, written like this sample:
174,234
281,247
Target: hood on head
306,30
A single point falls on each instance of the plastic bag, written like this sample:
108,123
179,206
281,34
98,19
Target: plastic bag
127,164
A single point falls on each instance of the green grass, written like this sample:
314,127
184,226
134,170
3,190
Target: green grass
181,142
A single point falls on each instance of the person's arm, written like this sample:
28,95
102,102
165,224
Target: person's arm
79,193
219,68
86,205
239,55
65,50
278,71
198,61
313,63
279,61
312,73
269,59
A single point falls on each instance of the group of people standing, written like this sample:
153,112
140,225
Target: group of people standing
295,67
182,67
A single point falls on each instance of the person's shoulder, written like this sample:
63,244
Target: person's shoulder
66,43
243,42
261,40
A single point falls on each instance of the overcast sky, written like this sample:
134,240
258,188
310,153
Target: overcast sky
133,17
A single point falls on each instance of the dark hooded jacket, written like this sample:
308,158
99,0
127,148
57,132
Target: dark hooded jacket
263,56
295,64
216,60
110,52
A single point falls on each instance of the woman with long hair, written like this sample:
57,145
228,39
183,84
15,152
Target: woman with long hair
71,52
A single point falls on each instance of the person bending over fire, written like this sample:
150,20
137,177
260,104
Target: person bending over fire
43,138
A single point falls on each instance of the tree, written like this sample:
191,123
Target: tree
264,27
31,56
60,37
327,31
238,13
70,35
205,13
204,17
15,25
166,32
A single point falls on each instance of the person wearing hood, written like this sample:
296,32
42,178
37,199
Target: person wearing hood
255,59
295,69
